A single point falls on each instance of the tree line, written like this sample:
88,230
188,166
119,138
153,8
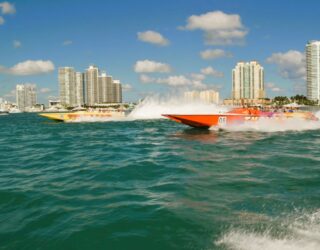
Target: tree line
299,99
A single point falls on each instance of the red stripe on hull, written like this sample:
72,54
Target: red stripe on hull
206,121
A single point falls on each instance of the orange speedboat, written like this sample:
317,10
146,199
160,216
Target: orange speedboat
235,116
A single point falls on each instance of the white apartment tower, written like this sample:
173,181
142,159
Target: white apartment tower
248,81
313,70
67,86
26,96
91,83
71,87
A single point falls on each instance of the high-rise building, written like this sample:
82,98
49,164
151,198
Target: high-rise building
103,88
67,86
207,96
313,70
248,81
26,96
117,91
91,83
71,87
80,93
110,92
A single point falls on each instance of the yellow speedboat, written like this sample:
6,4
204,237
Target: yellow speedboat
84,115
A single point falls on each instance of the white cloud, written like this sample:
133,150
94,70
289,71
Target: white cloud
17,44
44,90
179,80
67,42
212,72
273,87
29,67
147,66
12,93
215,20
291,64
7,8
199,77
276,89
153,37
214,54
126,87
299,87
174,81
146,79
1,20
219,28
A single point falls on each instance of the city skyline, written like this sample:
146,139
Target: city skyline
156,48
88,88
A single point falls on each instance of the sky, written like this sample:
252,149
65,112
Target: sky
165,46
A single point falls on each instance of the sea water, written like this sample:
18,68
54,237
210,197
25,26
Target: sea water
148,183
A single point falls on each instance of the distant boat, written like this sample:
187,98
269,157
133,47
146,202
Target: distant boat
14,111
3,112
84,115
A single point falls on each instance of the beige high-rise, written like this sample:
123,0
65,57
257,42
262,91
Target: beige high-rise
248,81
207,96
91,83
79,88
117,91
103,88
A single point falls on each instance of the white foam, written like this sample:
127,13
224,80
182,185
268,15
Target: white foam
153,107
274,125
297,233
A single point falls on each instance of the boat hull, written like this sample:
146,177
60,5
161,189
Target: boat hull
74,116
227,119
207,121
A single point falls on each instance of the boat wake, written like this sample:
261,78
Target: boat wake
294,232
153,107
273,125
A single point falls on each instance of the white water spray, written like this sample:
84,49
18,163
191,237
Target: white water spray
301,232
154,106
274,125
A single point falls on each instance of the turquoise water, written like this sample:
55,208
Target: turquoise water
155,184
